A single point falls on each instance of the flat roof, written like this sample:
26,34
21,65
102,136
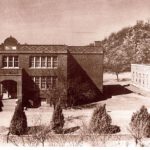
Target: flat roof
141,64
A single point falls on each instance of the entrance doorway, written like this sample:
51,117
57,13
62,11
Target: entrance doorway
9,89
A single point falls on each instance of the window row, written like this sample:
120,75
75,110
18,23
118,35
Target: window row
140,78
10,62
45,82
43,62
35,62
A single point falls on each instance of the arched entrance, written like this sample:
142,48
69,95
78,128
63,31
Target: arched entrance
9,89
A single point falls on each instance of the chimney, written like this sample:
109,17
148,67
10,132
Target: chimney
91,44
97,43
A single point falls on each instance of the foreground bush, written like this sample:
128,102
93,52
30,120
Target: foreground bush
140,123
18,125
101,122
112,129
57,122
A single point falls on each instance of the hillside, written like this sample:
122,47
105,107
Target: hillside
129,45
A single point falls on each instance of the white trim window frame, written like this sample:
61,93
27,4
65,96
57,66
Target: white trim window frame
54,62
38,62
49,62
49,82
43,62
5,62
16,61
37,81
44,82
32,62
10,62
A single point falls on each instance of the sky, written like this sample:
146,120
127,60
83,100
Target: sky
70,22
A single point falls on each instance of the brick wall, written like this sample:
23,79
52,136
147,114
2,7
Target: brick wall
85,77
80,70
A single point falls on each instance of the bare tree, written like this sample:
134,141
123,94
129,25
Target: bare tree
118,61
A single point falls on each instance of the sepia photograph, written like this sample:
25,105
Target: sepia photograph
75,73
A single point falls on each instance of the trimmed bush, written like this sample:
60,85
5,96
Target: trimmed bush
18,125
140,123
100,120
57,122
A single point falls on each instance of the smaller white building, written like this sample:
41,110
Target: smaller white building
140,74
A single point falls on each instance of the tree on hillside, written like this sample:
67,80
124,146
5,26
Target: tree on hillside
129,45
117,62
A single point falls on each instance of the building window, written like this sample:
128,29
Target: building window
44,62
139,78
16,62
133,76
45,82
10,47
10,62
49,62
54,82
37,81
37,62
54,62
5,62
49,82
32,61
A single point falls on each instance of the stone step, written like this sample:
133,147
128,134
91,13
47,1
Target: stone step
9,104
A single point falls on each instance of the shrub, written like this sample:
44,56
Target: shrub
57,122
100,120
112,129
140,123
56,95
18,125
81,93
40,134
